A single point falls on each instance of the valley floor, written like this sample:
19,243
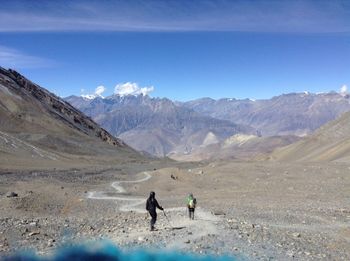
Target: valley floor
254,210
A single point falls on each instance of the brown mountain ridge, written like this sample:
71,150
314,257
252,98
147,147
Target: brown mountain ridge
36,125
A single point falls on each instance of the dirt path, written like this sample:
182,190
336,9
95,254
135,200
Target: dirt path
133,202
205,222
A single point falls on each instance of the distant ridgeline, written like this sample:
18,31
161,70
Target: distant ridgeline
107,251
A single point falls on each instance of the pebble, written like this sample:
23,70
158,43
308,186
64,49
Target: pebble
290,253
11,194
261,242
34,233
50,242
296,234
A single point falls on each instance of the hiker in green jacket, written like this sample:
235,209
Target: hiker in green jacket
191,204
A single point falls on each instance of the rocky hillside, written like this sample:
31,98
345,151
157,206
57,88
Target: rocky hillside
157,126
289,114
331,142
36,124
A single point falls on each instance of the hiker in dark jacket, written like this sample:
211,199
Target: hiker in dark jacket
151,206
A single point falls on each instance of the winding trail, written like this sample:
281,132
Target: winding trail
120,189
205,222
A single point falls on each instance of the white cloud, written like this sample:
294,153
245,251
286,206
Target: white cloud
99,90
98,93
130,88
15,59
344,90
122,89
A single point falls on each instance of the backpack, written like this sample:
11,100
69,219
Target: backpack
192,203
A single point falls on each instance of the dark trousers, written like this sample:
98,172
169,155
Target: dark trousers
191,213
153,218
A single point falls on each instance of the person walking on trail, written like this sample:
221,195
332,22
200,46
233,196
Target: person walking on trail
151,206
191,204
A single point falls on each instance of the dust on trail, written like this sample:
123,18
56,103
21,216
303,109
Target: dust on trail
204,223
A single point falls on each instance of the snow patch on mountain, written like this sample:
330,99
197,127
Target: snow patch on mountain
131,88
98,93
344,90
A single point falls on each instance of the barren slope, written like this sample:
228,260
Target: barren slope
239,146
39,128
329,143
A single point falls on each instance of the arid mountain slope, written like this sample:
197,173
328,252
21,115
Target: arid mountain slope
238,146
36,125
331,142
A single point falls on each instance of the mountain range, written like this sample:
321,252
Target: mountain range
37,127
288,114
208,128
157,126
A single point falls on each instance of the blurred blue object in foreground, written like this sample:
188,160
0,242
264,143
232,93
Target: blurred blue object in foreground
106,252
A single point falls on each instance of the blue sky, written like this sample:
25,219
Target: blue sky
184,49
